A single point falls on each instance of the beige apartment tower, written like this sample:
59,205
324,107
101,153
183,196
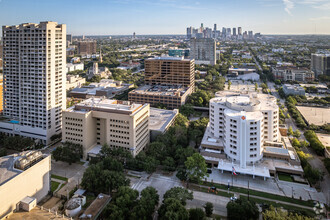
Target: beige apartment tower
95,122
34,79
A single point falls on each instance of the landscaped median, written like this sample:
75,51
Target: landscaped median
308,203
221,190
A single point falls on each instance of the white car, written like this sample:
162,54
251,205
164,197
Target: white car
233,198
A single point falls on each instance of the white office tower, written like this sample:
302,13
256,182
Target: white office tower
34,79
243,122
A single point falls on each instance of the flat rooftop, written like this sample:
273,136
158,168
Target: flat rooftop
7,166
160,118
314,115
7,170
96,207
106,105
169,58
36,213
163,90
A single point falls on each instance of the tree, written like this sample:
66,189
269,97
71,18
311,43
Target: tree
290,131
173,209
122,204
208,209
279,214
296,133
97,180
3,152
180,194
68,152
229,84
295,143
146,205
255,86
196,214
181,120
196,167
242,209
186,110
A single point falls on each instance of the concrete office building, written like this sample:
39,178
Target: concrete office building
34,79
243,130
170,70
292,73
169,81
96,121
24,181
160,121
320,64
86,47
203,50
289,89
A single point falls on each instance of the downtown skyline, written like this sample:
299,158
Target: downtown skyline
114,17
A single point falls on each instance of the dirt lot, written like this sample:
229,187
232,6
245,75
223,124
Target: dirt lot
316,116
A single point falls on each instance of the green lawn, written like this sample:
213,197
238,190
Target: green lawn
287,207
59,177
54,185
285,177
262,194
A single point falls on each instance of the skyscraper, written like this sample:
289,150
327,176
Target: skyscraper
189,32
215,27
34,79
203,50
87,47
234,31
239,30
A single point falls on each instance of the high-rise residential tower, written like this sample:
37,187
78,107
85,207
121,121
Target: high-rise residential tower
34,79
203,50
320,64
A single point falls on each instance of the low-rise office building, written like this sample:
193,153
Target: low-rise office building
296,89
243,131
160,121
106,87
73,81
24,181
292,73
74,66
172,96
96,121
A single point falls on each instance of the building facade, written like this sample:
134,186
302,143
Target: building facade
170,70
203,50
95,122
34,79
1,94
169,81
86,47
243,132
320,64
21,175
292,73
244,122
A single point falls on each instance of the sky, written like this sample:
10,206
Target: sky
123,17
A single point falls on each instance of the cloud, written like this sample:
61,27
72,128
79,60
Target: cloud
288,5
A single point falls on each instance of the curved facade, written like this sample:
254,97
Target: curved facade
244,122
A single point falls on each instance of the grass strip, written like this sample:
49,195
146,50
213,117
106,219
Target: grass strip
302,211
59,177
308,203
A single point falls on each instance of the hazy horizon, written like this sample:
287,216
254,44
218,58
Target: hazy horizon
172,17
